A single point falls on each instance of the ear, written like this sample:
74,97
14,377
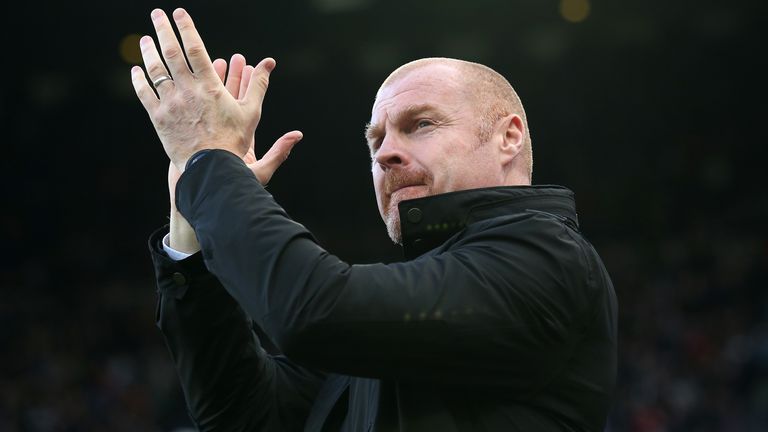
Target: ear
512,132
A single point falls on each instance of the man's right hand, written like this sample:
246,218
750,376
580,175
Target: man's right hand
182,235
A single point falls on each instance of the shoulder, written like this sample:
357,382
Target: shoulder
542,235
536,255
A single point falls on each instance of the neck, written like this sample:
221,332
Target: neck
516,178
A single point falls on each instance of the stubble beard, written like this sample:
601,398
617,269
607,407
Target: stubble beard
392,213
392,220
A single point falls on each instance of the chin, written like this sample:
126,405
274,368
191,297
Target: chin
391,218
410,192
392,215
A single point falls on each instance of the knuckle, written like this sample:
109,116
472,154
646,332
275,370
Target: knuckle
195,50
263,80
146,48
187,96
142,92
172,108
171,52
214,89
156,70
161,114
184,24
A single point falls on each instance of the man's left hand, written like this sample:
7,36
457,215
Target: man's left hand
193,110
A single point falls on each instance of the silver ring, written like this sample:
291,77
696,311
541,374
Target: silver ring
157,81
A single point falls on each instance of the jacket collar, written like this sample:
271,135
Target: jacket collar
428,222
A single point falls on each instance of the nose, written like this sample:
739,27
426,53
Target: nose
392,153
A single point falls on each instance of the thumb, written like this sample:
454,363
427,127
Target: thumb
277,154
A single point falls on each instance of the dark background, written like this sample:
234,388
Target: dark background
652,111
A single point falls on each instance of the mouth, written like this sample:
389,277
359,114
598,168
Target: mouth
405,187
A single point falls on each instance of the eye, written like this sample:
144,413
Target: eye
422,123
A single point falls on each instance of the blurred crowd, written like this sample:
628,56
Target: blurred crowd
693,333
84,358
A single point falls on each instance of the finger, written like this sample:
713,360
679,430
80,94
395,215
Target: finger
276,155
143,90
220,66
193,44
257,88
154,65
236,65
169,45
247,71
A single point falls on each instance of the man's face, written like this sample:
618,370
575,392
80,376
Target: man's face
424,140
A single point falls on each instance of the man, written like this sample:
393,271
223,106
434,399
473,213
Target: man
503,317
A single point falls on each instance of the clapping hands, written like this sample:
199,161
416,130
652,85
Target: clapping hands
212,105
204,107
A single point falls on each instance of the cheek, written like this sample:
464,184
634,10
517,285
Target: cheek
459,171
444,173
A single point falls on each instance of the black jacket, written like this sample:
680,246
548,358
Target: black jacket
503,319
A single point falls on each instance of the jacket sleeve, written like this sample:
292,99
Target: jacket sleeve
229,381
491,303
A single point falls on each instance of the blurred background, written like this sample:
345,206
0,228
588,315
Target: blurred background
652,111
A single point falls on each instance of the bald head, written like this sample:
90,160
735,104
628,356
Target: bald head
489,93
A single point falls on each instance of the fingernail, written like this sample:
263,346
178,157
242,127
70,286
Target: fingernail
179,13
157,13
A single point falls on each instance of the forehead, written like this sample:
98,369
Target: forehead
436,85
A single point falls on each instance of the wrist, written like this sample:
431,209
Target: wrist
195,157
182,235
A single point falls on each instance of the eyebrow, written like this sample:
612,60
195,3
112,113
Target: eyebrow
373,131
